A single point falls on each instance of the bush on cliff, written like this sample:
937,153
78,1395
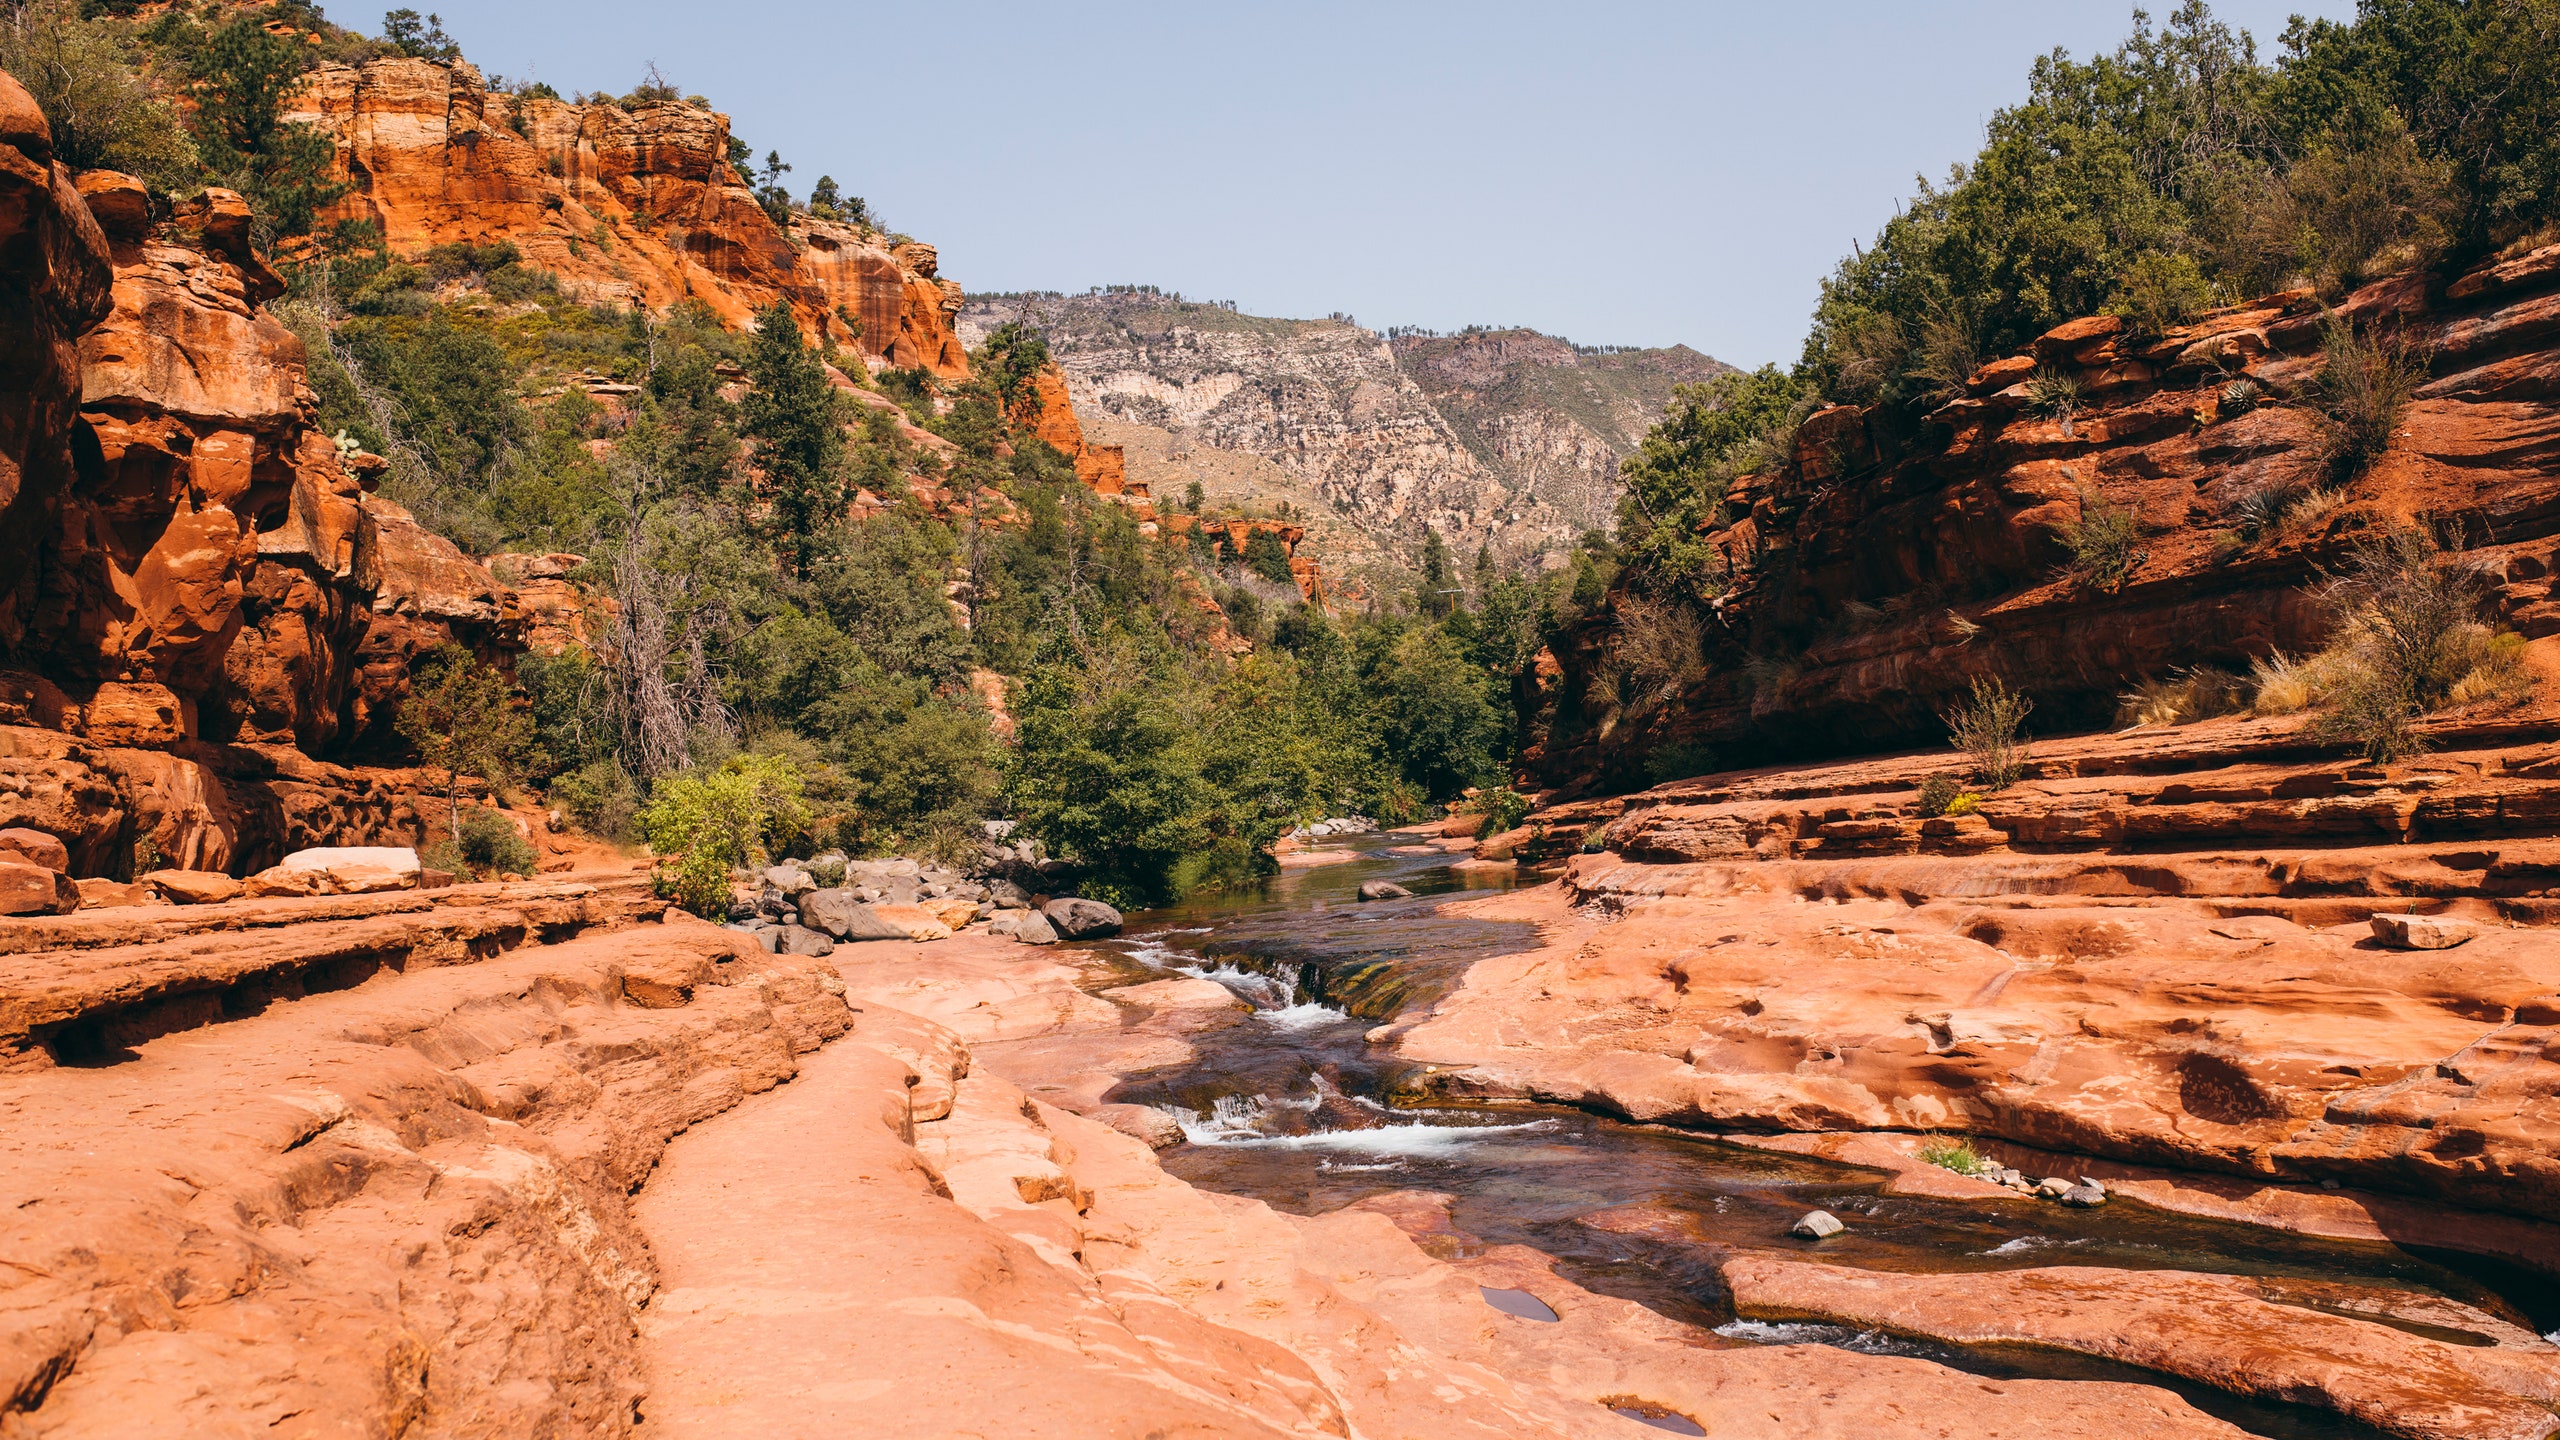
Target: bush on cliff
103,113
1676,481
2363,390
2409,641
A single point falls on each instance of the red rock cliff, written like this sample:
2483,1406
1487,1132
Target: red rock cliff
1876,573
203,597
637,207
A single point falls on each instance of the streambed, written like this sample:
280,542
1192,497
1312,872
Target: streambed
1291,1106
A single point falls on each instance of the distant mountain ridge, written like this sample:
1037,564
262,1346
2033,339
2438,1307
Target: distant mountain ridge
1508,438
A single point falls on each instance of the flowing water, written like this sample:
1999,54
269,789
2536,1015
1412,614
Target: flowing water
1291,1107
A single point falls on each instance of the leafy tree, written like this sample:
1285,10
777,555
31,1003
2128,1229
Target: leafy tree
1438,720
792,416
1107,773
242,80
460,717
419,39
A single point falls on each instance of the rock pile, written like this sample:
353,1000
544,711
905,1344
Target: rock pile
806,907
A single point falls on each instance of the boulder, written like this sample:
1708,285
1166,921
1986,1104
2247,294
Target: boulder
1141,1122
840,913
1078,919
2053,1187
2084,1196
913,922
285,881
35,890
368,879
1383,890
1817,1225
35,847
194,887
1028,926
103,894
332,857
767,936
954,913
1005,895
790,880
2420,932
801,940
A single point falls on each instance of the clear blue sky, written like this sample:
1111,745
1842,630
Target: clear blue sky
1625,174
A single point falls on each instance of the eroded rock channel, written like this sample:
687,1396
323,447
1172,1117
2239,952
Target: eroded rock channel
1314,1102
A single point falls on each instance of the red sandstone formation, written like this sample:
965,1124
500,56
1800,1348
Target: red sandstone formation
1876,574
636,207
207,595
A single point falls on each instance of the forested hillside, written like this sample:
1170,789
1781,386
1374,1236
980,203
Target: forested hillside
719,531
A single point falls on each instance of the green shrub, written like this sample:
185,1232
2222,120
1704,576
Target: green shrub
1503,808
1679,762
1938,792
2054,394
2364,388
2239,397
703,824
1985,728
2160,291
2101,542
1953,1154
2409,641
489,846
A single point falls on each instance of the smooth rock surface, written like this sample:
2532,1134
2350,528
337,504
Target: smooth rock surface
1077,919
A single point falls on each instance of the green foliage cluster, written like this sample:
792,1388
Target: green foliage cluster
460,717
1950,1153
704,823
485,846
2102,541
1676,482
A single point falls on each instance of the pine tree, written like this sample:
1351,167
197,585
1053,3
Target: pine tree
1437,599
791,414
243,79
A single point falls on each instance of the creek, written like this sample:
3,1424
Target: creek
1294,1107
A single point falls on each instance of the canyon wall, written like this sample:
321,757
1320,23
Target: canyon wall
207,597
1506,438
631,207
1552,420
1872,577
